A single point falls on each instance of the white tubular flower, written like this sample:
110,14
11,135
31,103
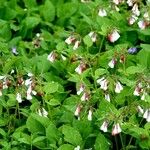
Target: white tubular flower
34,92
142,24
117,8
112,63
103,83
14,51
130,2
114,36
135,10
63,57
1,93
80,68
104,126
90,115
140,110
138,90
18,98
28,82
146,16
29,91
30,74
143,96
5,85
76,45
119,87
69,40
42,112
2,77
85,96
116,129
102,12
116,2
132,20
93,36
107,97
77,111
77,148
81,89
147,115
51,57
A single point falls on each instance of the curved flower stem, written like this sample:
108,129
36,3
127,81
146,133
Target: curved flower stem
100,48
123,147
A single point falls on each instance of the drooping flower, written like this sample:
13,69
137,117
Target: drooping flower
80,68
107,97
51,57
117,2
122,58
14,51
116,129
143,96
29,91
70,40
77,148
114,36
76,45
132,19
1,92
135,10
28,82
85,96
104,126
146,16
77,111
112,63
93,36
42,112
138,90
140,110
147,115
63,57
19,98
142,24
81,89
90,115
118,87
102,12
103,83
130,2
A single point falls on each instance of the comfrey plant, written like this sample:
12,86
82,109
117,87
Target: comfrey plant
75,75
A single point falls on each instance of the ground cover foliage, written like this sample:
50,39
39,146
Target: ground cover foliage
74,75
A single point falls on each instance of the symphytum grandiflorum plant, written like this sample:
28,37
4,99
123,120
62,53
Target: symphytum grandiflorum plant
74,75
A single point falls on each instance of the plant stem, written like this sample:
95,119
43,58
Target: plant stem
100,48
122,141
116,141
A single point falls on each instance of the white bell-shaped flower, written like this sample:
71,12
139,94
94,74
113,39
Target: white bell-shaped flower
104,126
118,87
18,98
102,12
116,129
90,115
114,36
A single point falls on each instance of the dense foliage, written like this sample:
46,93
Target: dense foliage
74,75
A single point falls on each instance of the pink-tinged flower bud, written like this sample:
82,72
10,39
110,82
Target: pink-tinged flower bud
130,2
77,148
132,20
93,36
90,115
114,36
18,98
122,58
77,111
81,89
102,12
107,97
142,24
119,87
112,63
147,115
80,68
76,45
138,90
51,57
70,40
135,10
85,96
116,129
140,110
104,126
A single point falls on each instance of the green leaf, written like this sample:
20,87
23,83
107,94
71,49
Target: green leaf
53,102
66,147
101,143
71,135
32,22
48,11
51,87
135,69
99,72
87,41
